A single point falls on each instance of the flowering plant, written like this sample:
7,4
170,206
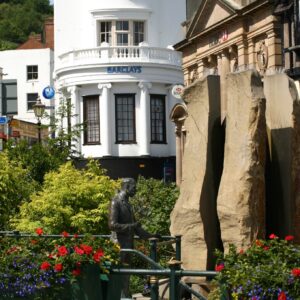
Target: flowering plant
39,266
269,269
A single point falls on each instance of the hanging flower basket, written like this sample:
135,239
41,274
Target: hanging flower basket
62,268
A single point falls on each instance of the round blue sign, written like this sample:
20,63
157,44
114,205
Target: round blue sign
48,92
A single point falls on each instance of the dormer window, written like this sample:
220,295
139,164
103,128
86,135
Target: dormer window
122,32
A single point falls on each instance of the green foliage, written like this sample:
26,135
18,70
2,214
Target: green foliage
38,159
47,156
19,18
15,188
70,199
33,267
267,270
153,203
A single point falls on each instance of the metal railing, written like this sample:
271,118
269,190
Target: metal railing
174,273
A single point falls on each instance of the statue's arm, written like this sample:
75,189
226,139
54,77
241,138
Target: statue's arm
114,219
142,233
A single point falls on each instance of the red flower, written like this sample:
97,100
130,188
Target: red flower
266,248
78,264
33,242
58,267
296,272
76,272
219,267
272,236
64,234
45,265
241,251
75,235
87,249
78,250
282,296
39,231
62,251
289,238
97,256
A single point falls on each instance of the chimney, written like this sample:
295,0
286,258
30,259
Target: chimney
49,33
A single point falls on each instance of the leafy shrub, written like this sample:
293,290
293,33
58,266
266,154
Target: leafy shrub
15,188
153,203
269,269
38,159
70,199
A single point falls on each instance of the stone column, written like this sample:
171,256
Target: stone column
251,54
200,68
283,122
241,195
105,118
225,69
242,55
178,133
194,215
144,119
274,49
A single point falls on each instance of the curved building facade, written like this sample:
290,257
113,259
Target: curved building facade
117,62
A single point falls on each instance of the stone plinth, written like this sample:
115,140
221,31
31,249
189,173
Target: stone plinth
241,197
194,215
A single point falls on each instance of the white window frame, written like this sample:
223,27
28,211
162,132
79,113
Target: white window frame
114,32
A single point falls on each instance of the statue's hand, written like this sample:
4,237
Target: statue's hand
136,224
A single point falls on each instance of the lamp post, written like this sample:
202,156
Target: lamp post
39,109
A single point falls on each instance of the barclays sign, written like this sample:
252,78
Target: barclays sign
124,69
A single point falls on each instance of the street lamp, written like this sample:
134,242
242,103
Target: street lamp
39,109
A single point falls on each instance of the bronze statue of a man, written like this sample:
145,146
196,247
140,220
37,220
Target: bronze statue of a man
123,224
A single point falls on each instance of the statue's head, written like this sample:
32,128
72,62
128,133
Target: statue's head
128,185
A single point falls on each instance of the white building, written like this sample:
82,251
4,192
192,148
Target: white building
32,70
27,70
116,59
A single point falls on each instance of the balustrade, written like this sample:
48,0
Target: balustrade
130,54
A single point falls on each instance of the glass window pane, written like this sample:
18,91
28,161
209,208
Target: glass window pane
158,119
125,118
91,120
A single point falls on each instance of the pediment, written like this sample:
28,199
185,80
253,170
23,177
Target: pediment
210,13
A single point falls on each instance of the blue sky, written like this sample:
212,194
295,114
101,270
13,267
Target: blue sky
51,1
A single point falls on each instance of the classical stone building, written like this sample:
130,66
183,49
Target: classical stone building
228,35
238,131
288,12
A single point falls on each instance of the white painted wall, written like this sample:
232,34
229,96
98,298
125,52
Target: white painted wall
15,62
75,20
76,29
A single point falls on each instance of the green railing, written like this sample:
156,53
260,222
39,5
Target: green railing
174,273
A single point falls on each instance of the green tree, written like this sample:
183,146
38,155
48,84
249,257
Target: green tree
15,188
20,18
42,158
70,200
153,203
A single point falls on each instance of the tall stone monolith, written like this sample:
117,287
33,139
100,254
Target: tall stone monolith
241,197
194,215
283,180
